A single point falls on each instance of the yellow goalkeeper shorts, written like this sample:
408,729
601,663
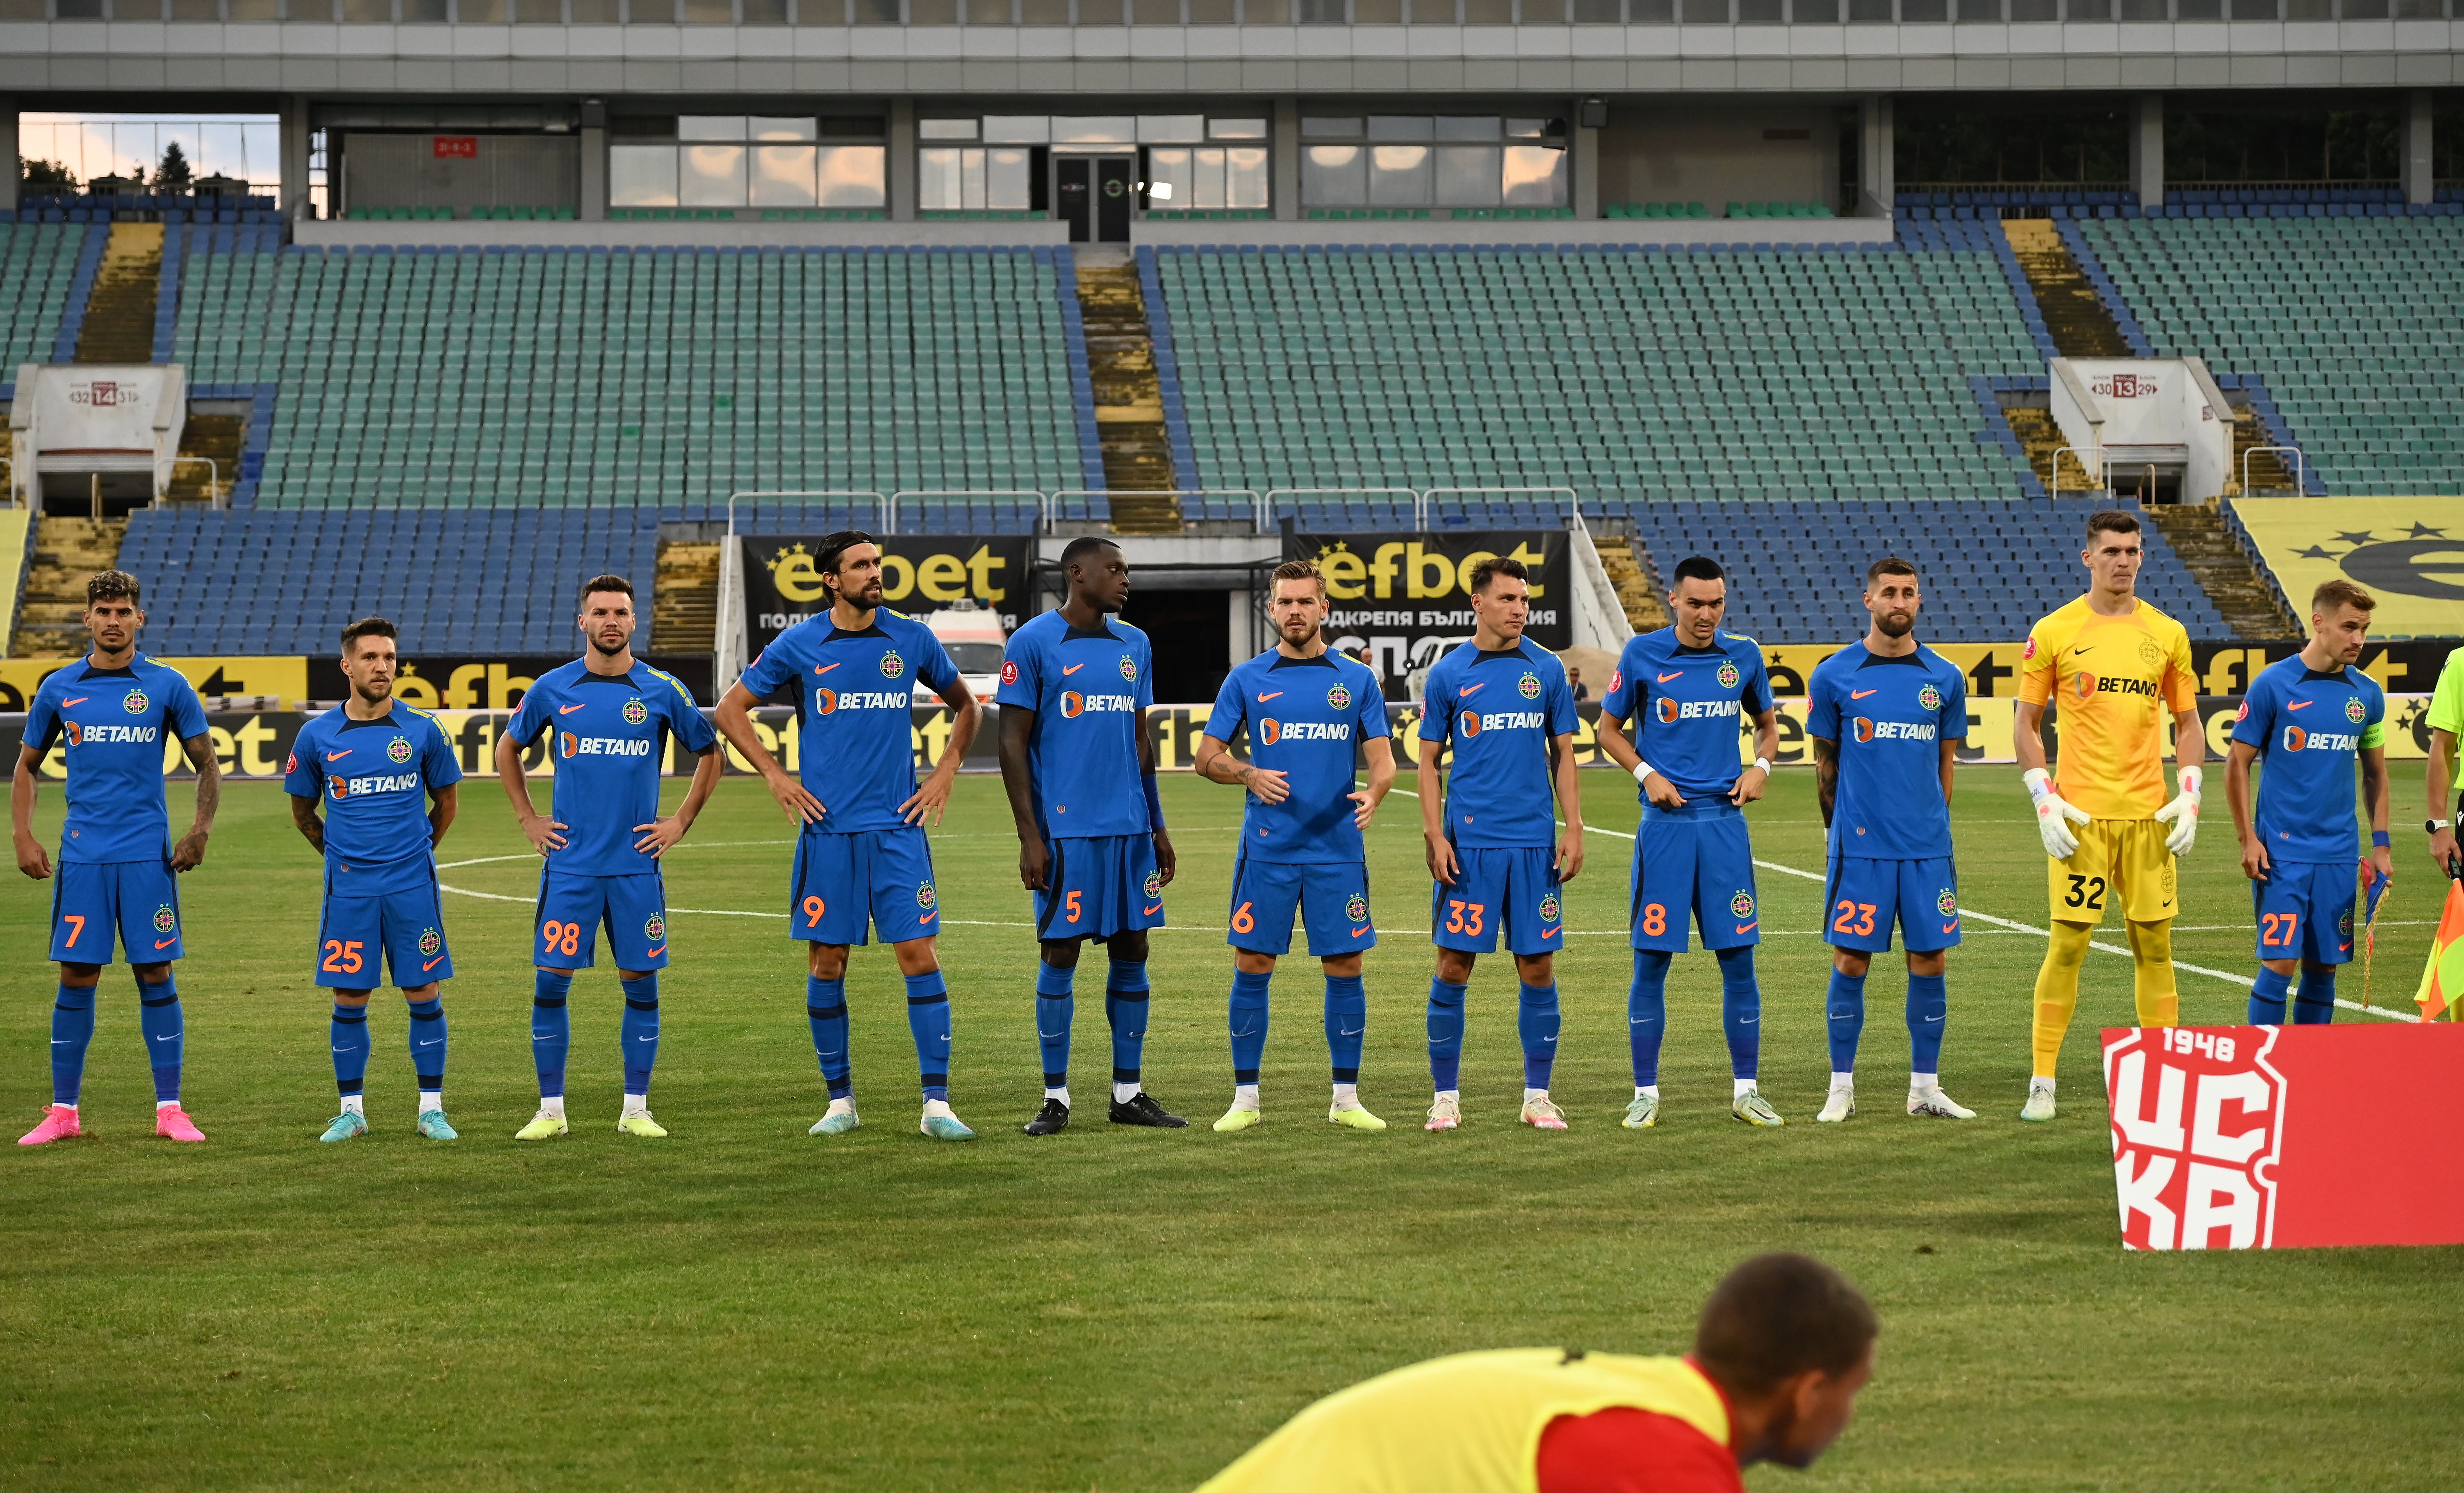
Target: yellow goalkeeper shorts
2119,862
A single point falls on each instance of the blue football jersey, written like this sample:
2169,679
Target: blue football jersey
1089,691
374,776
855,697
115,722
1889,717
1690,705
1306,718
2307,727
610,744
1499,711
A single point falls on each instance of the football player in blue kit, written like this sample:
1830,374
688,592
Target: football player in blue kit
107,715
612,715
2309,718
387,775
1307,711
862,858
1501,706
1081,775
1883,713
1688,688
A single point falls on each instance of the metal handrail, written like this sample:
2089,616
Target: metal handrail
1573,499
1267,501
881,504
1175,493
214,476
2301,469
1043,502
2053,482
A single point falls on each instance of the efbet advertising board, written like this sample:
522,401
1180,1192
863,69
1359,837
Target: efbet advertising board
1406,600
919,573
2407,552
2274,1137
2402,666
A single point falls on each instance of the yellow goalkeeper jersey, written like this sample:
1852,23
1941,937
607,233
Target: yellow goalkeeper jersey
2113,683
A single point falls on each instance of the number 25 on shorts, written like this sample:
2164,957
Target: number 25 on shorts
1465,917
342,957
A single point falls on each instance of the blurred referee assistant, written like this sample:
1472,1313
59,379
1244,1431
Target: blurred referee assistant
1784,1345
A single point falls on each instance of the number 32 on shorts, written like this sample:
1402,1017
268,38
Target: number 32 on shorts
2086,891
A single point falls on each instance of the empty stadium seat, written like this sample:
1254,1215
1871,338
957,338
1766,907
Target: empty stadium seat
37,262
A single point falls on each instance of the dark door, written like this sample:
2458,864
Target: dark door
1192,634
1072,178
1113,175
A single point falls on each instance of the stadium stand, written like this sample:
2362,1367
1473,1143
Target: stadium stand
167,207
2355,322
38,264
1989,567
455,580
662,380
1629,375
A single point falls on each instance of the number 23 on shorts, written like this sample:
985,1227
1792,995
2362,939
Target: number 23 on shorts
1854,917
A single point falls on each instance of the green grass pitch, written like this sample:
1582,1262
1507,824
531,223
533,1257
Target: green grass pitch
745,1306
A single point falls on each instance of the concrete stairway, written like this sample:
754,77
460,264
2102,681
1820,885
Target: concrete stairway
2197,534
1637,588
1129,398
120,313
67,552
218,439
2074,314
684,599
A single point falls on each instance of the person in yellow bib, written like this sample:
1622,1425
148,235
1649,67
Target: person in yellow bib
2112,666
1782,1349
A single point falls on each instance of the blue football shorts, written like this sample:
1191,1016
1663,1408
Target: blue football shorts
2306,910
93,899
406,927
1693,862
1863,896
1332,901
564,934
1095,887
1509,888
880,880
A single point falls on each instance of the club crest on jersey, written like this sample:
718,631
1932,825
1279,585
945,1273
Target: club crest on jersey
1129,669
2029,651
165,919
429,941
399,749
926,896
1155,883
1728,677
1270,732
290,764
654,927
134,702
1946,904
1742,904
1929,698
2242,710
635,711
1340,699
1616,680
1356,908
2354,710
1548,908
2343,925
1531,687
893,666
1010,672
2150,654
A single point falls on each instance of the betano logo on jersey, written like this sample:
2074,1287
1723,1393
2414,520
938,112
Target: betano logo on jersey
829,702
106,735
1270,731
381,782
2296,739
1672,710
1074,705
1894,730
399,749
1472,723
2089,684
572,745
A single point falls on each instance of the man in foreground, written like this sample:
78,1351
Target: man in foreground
1780,1352
109,711
1301,848
862,855
2310,717
612,715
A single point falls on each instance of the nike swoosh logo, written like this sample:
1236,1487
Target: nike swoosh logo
1263,699
1073,668
645,1039
1359,933
1153,911
1933,1019
1353,1032
431,1041
661,949
1470,689
1859,695
1747,928
174,1037
2298,705
2076,652
429,965
165,943
1664,678
79,700
929,916
336,756
1950,927
823,668
2343,948
568,709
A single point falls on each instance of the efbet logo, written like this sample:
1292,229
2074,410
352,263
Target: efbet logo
1929,698
926,896
165,919
1427,574
1742,904
1155,883
134,702
1947,902
1340,697
940,577
654,927
1549,908
429,941
1531,687
893,666
2198,1119
399,749
636,711
1356,908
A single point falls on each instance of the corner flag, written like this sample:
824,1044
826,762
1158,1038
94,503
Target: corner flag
2442,978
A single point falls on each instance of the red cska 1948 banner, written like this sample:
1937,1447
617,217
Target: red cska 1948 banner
2274,1137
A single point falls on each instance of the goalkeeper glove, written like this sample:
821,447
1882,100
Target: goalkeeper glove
2183,814
2054,814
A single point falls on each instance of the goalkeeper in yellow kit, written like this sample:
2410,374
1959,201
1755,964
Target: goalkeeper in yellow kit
2112,666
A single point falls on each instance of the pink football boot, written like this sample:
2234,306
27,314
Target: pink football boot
60,1123
172,1123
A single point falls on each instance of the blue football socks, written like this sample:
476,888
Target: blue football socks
1845,1006
1929,1010
1537,1020
1741,1011
71,1030
640,1033
826,1002
158,1017
1647,1014
351,1046
1249,1023
428,1049
928,1018
1125,1007
1056,1007
2315,1005
1446,1035
551,1030
1347,1017
2267,995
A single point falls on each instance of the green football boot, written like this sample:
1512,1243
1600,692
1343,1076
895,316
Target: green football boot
940,1124
1239,1117
349,1125
837,1120
1643,1114
1351,1116
1754,1109
431,1123
543,1126
638,1121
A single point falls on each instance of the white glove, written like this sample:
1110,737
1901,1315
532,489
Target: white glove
2054,814
2183,814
